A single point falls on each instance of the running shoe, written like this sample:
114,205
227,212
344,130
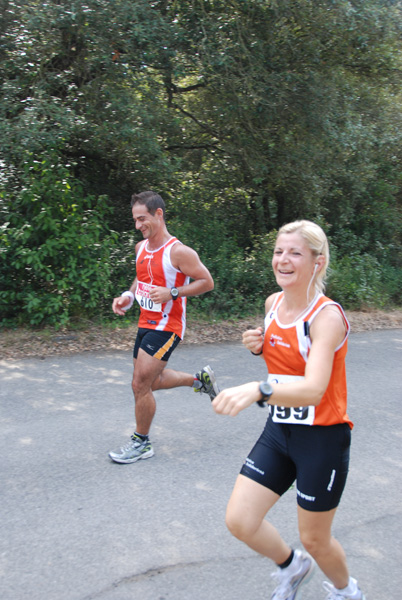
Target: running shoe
335,594
136,449
292,577
205,381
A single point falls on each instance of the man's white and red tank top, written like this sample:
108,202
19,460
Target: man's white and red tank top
286,349
154,268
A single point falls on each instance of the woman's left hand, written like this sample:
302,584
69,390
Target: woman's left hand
232,400
253,339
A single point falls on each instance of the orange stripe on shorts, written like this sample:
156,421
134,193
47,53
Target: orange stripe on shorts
166,347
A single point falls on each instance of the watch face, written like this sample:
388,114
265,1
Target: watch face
266,390
175,293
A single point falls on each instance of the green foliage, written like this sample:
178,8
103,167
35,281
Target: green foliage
55,258
243,115
290,101
243,275
82,78
356,281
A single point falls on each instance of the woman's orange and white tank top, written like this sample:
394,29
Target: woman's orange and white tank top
286,349
154,268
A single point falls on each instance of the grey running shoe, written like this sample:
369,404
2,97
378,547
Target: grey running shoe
205,381
133,451
291,578
335,594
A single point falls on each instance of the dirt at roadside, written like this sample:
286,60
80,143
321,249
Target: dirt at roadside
41,344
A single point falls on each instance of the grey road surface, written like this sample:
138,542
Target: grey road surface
76,526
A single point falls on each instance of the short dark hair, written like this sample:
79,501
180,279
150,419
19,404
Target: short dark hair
151,200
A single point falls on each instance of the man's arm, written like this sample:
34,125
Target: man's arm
123,302
186,260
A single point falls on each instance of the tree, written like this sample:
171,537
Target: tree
243,115
55,259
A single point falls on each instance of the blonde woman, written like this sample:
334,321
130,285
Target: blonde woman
307,435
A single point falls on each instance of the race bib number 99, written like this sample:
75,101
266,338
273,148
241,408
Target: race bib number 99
302,415
143,299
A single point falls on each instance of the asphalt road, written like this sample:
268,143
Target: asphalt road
76,526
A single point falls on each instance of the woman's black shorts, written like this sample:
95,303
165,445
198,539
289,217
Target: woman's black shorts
316,456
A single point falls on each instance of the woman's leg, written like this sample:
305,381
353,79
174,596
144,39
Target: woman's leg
316,537
247,507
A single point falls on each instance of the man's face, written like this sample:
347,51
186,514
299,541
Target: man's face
145,222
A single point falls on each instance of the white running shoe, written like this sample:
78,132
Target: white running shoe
335,594
292,577
136,449
205,381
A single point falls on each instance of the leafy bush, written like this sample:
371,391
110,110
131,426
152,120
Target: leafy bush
55,248
243,276
392,282
356,282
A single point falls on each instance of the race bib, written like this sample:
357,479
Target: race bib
302,415
143,299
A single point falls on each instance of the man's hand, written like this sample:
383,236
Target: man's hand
160,295
119,303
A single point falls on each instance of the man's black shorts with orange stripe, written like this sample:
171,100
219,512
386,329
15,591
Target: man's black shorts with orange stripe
159,344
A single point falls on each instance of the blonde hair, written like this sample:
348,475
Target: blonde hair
316,240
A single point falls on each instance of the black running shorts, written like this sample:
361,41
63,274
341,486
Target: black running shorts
159,344
316,457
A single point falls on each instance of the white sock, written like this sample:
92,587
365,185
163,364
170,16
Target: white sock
351,588
295,564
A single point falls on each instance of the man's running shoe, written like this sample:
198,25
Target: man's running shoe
205,381
291,578
136,449
335,594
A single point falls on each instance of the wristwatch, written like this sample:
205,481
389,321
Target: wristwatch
174,293
266,392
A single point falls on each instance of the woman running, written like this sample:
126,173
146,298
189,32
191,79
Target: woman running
307,435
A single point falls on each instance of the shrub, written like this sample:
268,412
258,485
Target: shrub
356,282
55,248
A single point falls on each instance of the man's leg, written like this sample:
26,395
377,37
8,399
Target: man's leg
169,378
150,375
146,370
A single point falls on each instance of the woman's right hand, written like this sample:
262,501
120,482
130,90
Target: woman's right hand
232,400
253,340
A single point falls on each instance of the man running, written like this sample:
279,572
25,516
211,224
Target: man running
167,272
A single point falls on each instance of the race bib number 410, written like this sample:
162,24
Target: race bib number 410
301,415
143,299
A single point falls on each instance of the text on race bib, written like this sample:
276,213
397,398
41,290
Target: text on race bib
301,415
143,299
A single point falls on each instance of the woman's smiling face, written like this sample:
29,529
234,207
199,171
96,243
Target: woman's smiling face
293,261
